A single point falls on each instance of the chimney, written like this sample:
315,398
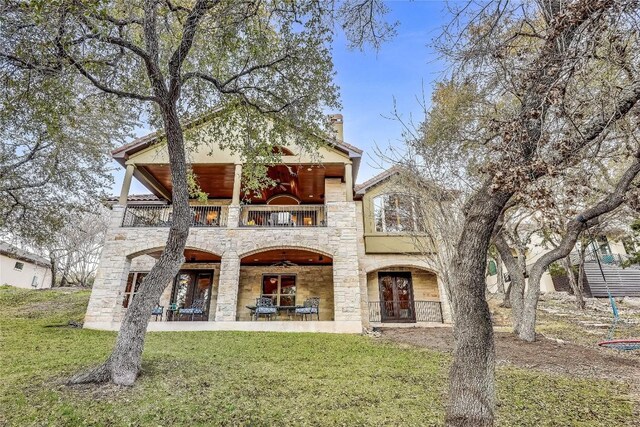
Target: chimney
336,123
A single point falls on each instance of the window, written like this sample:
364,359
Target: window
281,288
18,266
34,282
396,213
133,284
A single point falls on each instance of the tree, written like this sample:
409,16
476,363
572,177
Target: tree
267,63
54,151
525,65
575,227
75,251
570,193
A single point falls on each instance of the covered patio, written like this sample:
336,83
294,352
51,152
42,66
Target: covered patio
289,279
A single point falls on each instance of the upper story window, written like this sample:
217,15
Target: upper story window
396,213
18,266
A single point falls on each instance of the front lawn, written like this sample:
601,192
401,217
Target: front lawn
257,379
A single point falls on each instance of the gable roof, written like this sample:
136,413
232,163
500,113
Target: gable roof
19,254
122,153
378,179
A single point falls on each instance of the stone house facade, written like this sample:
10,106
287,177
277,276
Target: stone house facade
314,235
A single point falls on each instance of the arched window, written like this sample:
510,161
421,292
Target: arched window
396,213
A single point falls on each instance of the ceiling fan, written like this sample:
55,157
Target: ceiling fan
284,262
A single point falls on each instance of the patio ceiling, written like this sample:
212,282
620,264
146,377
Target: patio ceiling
306,182
295,256
192,255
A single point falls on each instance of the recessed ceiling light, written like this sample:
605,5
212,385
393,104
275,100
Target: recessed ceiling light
256,259
310,259
309,169
310,195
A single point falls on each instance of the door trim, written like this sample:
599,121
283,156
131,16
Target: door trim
394,274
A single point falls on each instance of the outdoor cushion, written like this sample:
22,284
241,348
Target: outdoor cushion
266,310
191,311
306,310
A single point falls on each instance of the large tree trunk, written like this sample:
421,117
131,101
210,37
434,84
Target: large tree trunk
506,301
516,293
472,375
123,365
574,282
53,260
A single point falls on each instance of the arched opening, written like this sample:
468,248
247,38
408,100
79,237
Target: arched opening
190,295
296,282
403,294
283,200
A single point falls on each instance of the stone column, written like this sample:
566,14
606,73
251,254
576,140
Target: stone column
346,269
126,185
348,181
228,284
237,182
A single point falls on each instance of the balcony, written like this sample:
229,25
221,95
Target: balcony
162,216
283,216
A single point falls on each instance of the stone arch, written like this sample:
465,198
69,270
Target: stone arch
142,245
392,264
284,247
153,249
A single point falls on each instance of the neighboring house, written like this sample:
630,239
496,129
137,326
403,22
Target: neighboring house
612,256
23,269
315,234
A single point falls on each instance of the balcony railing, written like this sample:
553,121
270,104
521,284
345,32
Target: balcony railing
283,216
400,311
162,216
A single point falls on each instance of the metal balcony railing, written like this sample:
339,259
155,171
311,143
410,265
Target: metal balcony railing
283,216
162,216
401,311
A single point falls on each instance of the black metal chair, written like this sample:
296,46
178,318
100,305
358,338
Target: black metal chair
264,307
311,306
196,309
158,311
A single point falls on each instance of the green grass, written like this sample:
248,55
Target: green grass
256,379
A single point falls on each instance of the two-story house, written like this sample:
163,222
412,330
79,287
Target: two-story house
315,238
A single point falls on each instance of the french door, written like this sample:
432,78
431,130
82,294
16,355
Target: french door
396,297
191,286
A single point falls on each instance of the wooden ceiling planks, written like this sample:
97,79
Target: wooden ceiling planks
305,182
295,256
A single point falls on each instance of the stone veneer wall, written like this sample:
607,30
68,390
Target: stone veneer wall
144,263
369,263
311,281
339,240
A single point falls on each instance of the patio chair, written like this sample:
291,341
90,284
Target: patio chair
264,307
311,306
196,309
158,311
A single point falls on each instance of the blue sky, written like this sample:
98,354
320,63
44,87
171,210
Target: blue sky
370,81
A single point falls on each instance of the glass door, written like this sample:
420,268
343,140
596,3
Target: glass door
191,287
396,297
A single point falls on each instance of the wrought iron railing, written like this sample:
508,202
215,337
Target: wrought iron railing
283,216
162,216
401,311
